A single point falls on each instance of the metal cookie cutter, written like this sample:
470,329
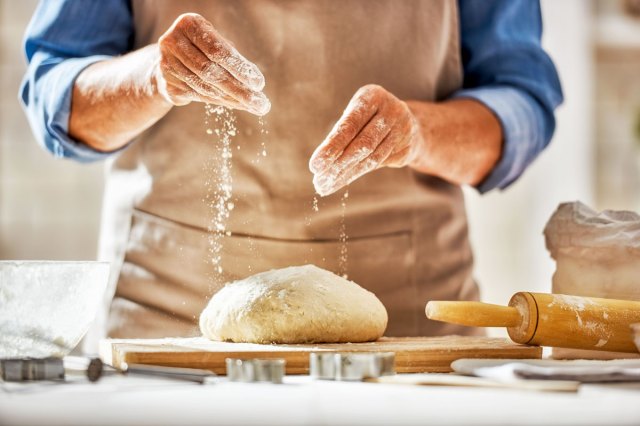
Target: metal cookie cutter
255,370
351,366
29,369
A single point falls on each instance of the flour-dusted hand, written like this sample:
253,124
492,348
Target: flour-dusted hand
376,130
196,63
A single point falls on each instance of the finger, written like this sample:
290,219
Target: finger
399,158
215,75
326,187
185,94
174,90
189,95
403,150
364,144
203,35
257,102
358,113
200,90
371,162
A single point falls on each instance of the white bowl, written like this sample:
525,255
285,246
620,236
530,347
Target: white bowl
47,306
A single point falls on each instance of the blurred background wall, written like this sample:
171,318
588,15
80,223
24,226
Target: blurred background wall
594,156
50,209
506,226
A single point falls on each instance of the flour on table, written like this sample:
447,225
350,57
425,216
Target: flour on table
299,304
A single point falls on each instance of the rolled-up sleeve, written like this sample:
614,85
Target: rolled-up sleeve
506,69
62,39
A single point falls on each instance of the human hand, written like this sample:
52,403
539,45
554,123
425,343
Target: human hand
196,63
375,130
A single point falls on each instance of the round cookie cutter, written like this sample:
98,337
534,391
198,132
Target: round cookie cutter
255,370
351,366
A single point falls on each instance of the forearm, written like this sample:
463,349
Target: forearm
461,140
115,100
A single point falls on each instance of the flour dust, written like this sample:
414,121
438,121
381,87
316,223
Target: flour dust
220,123
264,134
342,260
253,251
343,237
261,153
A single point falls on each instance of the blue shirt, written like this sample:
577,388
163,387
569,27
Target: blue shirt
505,68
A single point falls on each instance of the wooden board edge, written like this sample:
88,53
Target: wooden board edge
298,361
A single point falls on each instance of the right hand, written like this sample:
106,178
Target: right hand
197,64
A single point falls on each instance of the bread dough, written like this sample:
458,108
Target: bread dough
299,304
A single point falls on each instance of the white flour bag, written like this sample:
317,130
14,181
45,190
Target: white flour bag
597,254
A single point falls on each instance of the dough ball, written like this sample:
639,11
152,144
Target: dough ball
300,304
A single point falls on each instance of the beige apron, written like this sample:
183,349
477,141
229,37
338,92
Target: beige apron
407,233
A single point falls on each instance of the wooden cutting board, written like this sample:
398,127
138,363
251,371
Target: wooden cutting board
413,354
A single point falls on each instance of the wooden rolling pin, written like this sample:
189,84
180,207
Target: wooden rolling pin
550,320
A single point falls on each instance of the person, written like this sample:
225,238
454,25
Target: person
180,96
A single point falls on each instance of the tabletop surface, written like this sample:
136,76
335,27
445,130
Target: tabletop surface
301,400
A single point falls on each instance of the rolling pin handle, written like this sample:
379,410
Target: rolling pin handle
475,314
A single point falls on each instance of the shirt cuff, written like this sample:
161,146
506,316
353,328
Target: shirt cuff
522,127
58,110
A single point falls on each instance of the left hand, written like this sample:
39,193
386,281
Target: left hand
375,130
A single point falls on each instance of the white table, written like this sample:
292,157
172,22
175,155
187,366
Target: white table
137,401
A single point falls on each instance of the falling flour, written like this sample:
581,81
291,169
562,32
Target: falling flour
343,236
342,260
262,151
220,122
264,133
252,251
